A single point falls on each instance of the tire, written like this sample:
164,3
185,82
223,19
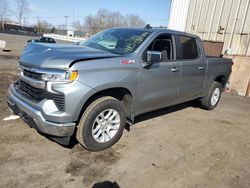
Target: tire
208,103
95,117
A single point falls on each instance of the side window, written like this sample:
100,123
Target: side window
187,48
163,44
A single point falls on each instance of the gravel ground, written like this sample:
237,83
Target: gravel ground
16,43
180,146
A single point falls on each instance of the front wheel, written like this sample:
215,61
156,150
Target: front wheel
213,97
102,124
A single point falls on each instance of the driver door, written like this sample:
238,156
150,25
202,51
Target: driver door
159,82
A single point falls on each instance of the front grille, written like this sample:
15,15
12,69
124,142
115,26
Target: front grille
32,92
39,94
34,75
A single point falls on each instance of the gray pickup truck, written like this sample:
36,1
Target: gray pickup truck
92,90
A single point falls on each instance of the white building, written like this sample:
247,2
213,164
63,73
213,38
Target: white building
225,21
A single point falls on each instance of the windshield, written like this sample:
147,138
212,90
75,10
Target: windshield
120,41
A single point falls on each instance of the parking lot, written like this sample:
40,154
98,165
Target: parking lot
180,146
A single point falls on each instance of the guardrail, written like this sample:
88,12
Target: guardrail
64,37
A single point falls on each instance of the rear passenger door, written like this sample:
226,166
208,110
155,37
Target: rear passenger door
193,67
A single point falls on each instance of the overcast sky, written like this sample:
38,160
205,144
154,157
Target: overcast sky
153,12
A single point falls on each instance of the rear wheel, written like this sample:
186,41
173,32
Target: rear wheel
102,124
213,97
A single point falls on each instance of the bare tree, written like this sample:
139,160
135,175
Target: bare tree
77,25
106,19
4,12
89,25
134,21
44,27
22,8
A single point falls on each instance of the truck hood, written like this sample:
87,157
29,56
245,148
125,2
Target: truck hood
57,56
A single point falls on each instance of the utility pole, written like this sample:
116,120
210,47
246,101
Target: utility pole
102,21
73,26
38,24
66,19
24,21
38,18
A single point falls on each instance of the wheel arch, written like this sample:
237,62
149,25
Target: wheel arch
221,79
120,93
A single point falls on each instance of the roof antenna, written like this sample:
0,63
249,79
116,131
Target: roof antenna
147,26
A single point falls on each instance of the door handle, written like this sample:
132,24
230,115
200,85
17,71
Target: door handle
174,70
201,68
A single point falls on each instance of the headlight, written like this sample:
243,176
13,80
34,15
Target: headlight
69,76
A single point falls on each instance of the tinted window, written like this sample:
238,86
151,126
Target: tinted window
187,48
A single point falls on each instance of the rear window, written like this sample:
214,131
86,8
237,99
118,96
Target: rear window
187,48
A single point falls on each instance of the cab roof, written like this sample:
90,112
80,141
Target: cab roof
156,30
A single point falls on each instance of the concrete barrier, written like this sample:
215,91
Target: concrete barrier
2,44
240,77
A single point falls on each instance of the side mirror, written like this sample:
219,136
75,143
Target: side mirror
154,56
